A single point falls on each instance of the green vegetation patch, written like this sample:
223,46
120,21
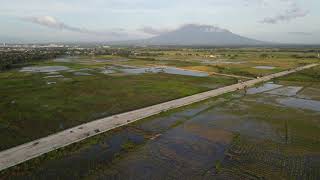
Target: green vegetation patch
28,102
308,75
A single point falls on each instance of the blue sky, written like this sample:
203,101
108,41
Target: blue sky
287,21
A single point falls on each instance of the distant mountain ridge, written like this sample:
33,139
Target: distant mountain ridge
193,34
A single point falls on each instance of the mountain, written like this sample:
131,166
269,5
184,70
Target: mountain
193,34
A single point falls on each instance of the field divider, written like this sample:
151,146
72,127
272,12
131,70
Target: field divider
36,148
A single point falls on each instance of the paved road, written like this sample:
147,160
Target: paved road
230,75
24,152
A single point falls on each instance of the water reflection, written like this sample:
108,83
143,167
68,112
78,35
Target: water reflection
286,91
264,67
168,70
44,69
300,103
265,87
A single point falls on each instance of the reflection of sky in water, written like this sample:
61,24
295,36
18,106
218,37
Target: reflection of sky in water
300,103
286,91
265,87
264,67
44,69
221,62
168,70
108,71
82,74
64,59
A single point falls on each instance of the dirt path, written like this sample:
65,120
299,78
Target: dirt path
27,151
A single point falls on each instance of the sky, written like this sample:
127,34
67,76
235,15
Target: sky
284,21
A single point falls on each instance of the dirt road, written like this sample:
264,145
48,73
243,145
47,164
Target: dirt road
27,151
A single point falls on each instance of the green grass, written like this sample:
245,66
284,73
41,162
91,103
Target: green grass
177,123
128,146
218,166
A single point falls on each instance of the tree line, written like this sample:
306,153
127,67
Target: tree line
13,59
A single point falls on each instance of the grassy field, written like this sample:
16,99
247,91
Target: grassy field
238,61
28,103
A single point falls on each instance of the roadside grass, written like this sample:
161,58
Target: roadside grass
309,75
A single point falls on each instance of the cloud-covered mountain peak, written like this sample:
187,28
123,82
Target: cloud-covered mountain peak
194,35
201,28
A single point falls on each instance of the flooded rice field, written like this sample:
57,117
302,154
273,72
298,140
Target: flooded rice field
264,67
300,103
53,76
265,132
310,93
286,91
44,69
66,59
168,70
265,87
109,70
220,61
69,59
82,74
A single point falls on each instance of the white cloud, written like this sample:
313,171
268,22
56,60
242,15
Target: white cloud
292,12
301,33
52,22
153,31
288,15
